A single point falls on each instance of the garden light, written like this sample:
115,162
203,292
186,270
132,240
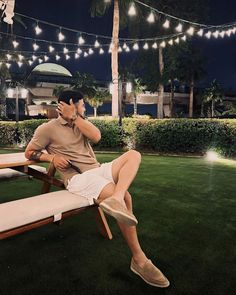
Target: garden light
212,156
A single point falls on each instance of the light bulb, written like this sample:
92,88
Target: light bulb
15,43
132,10
177,40
57,57
184,38
46,58
65,50
40,60
61,37
30,62
19,64
51,48
124,46
81,40
79,51
35,46
200,32
101,51
67,56
208,34
171,42
38,30
90,51
8,56
179,28
120,49
190,31
163,44
96,44
34,57
216,34
145,46
151,18
166,24
85,54
76,55
20,57
8,65
154,45
127,49
136,46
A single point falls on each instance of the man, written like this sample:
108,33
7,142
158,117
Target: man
66,140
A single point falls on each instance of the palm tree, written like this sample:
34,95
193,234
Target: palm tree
138,88
212,96
58,90
120,8
4,74
85,83
98,99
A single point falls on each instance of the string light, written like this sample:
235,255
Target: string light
65,50
120,49
57,57
155,46
151,17
90,51
30,62
216,34
222,34
34,57
208,34
163,44
38,30
136,46
184,38
124,46
101,51
145,46
40,60
127,49
190,31
19,64
35,46
81,40
166,24
8,65
61,37
96,44
76,55
20,57
85,54
67,56
171,42
179,28
8,56
46,58
51,48
177,40
132,10
200,32
15,44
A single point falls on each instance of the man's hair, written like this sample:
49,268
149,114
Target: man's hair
68,94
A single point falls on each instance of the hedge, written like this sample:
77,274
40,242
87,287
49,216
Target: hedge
162,136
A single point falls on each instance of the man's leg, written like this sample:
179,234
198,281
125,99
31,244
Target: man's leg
124,170
129,232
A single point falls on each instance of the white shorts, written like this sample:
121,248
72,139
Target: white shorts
90,183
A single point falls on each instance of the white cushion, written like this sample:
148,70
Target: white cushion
10,173
21,212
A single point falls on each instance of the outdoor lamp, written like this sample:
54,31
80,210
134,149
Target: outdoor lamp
10,92
128,87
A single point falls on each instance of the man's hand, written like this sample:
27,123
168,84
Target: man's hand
67,111
60,162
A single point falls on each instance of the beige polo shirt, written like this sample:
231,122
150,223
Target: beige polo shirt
58,137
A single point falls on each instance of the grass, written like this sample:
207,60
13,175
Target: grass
186,213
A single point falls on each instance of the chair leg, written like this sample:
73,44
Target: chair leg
102,223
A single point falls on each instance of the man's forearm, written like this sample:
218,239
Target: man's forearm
88,129
39,156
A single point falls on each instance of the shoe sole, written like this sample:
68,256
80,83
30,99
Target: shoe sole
119,216
152,284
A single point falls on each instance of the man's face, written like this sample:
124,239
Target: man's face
80,107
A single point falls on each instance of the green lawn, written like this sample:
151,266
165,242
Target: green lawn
186,213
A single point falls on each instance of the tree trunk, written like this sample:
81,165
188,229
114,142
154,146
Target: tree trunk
114,59
191,98
95,112
212,108
161,86
172,95
135,106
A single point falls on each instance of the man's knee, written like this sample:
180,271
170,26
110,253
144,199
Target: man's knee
133,154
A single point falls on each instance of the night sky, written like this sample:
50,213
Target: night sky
220,53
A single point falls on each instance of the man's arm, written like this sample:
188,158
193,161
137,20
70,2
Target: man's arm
32,152
88,129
